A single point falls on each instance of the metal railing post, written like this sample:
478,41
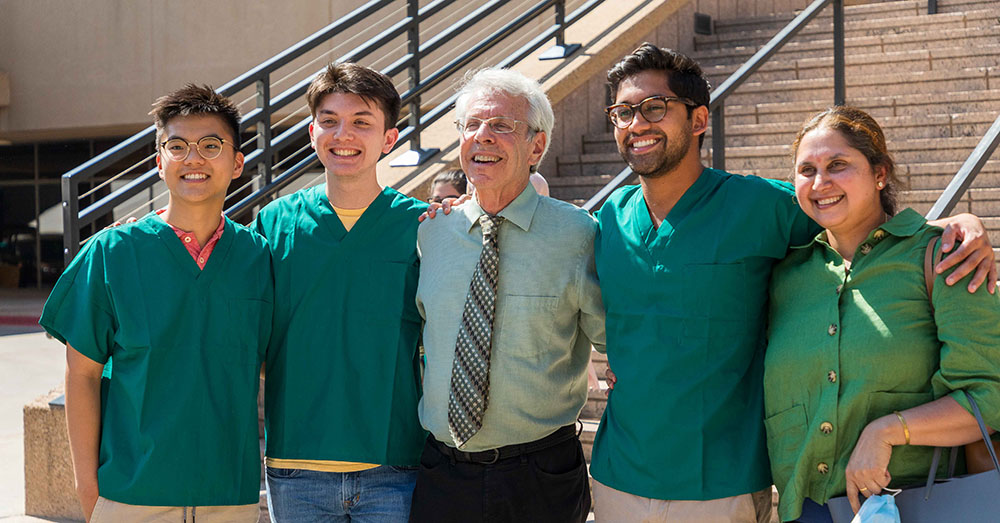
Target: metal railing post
71,218
719,137
264,128
561,49
839,81
416,155
932,7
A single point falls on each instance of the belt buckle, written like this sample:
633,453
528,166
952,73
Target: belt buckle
496,456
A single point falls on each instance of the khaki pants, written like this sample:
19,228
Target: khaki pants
615,506
113,512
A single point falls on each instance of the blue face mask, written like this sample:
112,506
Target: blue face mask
879,509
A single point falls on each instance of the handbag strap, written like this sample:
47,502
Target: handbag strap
931,475
983,430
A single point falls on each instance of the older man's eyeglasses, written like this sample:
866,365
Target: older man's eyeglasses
497,124
653,109
208,147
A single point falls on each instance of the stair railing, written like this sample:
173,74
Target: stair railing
966,174
271,175
717,101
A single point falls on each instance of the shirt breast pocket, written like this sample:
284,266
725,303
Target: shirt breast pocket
527,324
714,298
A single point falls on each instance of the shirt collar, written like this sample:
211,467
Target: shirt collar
904,224
519,212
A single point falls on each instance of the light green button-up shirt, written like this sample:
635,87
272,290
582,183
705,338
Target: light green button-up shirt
847,347
548,312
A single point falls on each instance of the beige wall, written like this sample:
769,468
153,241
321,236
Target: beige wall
89,68
79,68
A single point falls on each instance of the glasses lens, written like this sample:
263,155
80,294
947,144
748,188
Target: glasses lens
210,147
502,125
470,126
177,149
653,109
621,115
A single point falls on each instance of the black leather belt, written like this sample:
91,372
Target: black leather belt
487,457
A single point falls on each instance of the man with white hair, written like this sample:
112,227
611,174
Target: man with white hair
506,354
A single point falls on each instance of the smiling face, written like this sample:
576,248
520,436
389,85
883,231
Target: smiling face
349,136
195,180
500,162
657,148
835,184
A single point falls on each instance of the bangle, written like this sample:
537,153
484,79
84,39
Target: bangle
906,430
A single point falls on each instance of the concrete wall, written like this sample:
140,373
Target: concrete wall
84,69
581,112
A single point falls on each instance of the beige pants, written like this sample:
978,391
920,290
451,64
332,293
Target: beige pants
114,512
615,506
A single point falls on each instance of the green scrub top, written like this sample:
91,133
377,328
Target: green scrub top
343,369
179,425
686,307
847,347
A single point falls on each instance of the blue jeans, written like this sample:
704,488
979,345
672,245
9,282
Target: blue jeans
378,495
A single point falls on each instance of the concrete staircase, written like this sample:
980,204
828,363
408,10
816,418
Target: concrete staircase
932,81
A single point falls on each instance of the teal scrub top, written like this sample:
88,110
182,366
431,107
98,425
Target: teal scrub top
343,369
179,423
686,312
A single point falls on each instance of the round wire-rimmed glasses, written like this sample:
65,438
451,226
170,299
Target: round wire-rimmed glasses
209,147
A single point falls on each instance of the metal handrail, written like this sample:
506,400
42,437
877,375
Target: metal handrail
259,119
717,101
966,174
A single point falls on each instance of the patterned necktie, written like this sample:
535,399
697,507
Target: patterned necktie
470,371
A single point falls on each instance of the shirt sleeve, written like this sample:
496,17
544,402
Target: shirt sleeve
79,311
801,229
591,306
968,326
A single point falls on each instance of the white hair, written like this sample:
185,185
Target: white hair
512,83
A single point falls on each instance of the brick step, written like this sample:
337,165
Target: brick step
783,133
922,104
889,84
904,151
983,202
955,6
589,165
570,181
965,37
820,30
851,13
947,59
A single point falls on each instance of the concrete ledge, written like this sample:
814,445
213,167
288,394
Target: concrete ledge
48,470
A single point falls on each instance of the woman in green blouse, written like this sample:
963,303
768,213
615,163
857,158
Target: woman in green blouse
864,372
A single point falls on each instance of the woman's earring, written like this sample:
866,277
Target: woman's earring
880,184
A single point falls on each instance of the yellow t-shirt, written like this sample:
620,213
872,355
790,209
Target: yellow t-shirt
349,217
318,465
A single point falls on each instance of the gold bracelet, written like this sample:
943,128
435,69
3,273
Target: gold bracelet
906,430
